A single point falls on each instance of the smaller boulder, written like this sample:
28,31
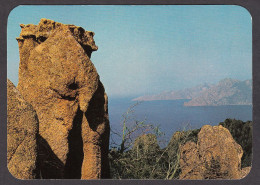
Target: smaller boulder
215,156
22,130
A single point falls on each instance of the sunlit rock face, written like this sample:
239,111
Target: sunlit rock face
57,77
22,130
216,155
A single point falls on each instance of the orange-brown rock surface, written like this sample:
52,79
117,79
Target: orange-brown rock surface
190,163
215,156
58,78
22,130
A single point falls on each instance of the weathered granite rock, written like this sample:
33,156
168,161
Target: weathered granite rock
22,130
215,156
58,78
190,163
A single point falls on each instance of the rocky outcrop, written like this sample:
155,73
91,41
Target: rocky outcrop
22,130
215,156
57,77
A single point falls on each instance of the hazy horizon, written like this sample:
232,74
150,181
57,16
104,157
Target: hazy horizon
150,49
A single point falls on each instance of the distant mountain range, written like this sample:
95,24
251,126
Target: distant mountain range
226,92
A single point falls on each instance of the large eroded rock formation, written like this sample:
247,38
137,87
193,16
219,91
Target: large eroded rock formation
58,78
215,156
22,130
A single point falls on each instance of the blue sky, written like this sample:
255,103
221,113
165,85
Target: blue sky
150,49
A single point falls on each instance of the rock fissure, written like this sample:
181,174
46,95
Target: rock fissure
15,149
75,154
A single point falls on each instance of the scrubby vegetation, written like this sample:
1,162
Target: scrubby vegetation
146,160
139,156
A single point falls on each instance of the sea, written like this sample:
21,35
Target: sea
170,115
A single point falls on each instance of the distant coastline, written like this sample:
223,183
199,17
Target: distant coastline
226,92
